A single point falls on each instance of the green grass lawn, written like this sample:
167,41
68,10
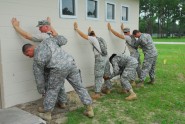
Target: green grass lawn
162,103
175,39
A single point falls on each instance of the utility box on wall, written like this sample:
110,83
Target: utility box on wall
17,84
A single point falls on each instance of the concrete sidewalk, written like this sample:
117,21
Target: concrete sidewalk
183,43
17,116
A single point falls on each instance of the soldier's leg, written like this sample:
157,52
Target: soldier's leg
107,85
75,80
46,77
128,75
125,83
99,72
147,64
62,96
136,55
138,69
55,83
152,70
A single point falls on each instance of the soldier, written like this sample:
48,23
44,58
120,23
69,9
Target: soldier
150,56
131,44
49,54
125,66
101,66
46,31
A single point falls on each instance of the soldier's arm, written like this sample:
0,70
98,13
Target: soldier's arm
53,31
40,59
114,32
144,39
122,26
80,32
61,40
116,68
38,70
19,30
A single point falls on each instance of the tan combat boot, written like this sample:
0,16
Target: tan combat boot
61,105
40,110
89,111
141,84
46,115
105,90
133,83
132,95
152,81
96,96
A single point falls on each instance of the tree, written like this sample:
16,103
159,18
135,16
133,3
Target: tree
163,14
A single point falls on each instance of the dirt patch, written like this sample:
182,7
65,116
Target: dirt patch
58,115
180,113
180,77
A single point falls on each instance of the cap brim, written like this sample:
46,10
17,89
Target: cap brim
38,25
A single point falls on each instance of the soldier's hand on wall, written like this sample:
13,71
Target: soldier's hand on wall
15,23
122,26
49,20
89,30
109,26
75,25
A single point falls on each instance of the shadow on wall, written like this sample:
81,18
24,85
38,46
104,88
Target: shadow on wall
0,77
0,97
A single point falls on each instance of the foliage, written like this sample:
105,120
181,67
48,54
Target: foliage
164,17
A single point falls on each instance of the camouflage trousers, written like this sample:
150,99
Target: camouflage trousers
148,67
55,88
101,68
136,55
128,74
62,96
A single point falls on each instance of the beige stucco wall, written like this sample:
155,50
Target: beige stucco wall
1,79
17,79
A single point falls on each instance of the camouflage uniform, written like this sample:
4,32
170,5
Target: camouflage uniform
62,96
150,56
101,66
132,45
48,54
125,66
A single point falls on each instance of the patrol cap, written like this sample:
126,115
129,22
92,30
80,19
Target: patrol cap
42,23
126,30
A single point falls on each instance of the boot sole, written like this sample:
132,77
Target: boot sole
135,98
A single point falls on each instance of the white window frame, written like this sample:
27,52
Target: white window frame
127,13
68,16
110,20
97,11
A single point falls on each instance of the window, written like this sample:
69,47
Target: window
68,8
92,9
124,13
110,11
